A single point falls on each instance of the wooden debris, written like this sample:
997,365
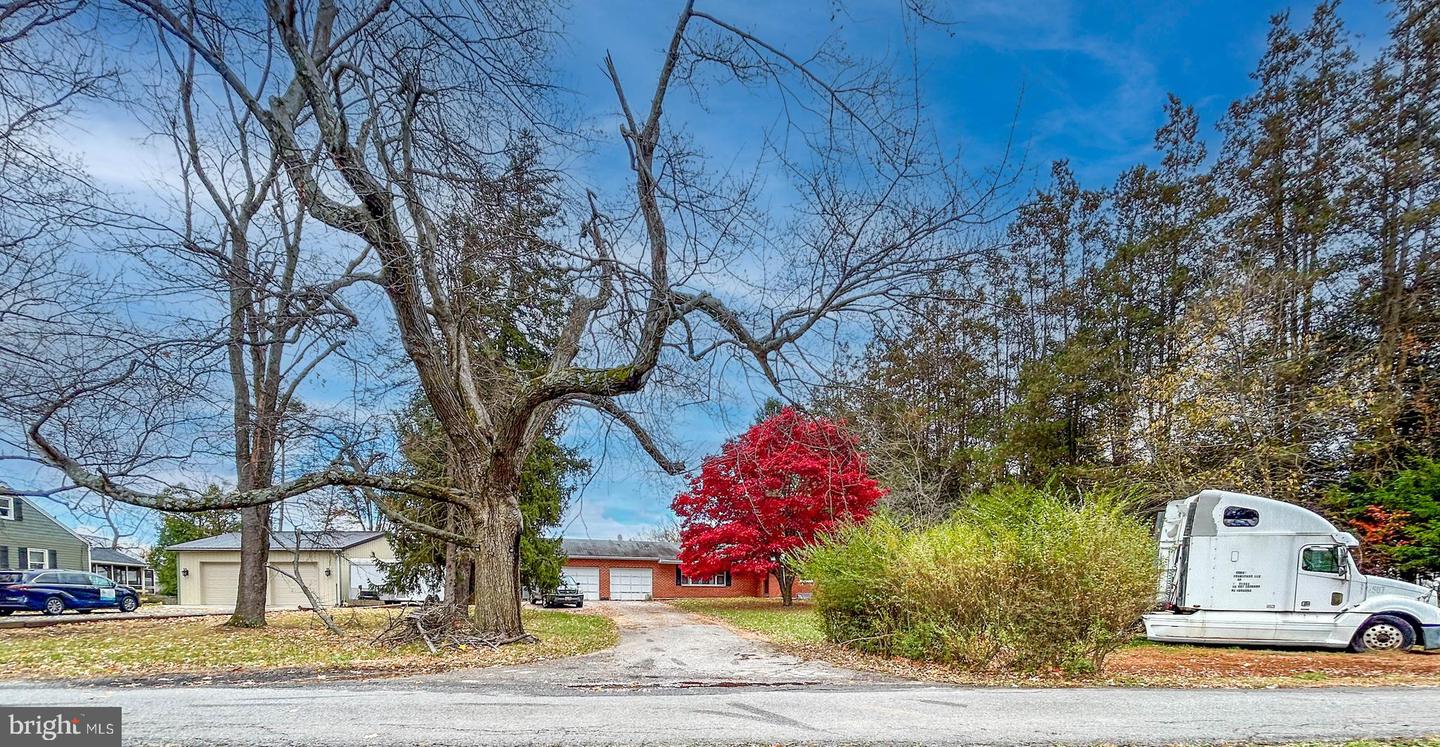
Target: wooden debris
442,626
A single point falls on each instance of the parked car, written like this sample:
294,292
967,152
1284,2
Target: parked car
54,591
567,593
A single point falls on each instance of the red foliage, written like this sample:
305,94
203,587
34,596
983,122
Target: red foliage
1381,530
772,490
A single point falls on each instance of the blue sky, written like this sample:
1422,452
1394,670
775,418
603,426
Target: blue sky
1083,81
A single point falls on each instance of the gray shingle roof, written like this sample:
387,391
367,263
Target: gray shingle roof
329,540
113,557
640,549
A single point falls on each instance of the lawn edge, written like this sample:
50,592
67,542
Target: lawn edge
916,671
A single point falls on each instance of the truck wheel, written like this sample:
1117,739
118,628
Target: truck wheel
580,604
54,606
1383,633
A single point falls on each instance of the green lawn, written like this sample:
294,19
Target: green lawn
292,639
796,624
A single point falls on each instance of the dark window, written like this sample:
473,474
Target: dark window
719,579
1239,516
100,581
1320,559
75,579
47,578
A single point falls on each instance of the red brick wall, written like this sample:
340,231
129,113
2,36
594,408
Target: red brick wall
772,588
662,584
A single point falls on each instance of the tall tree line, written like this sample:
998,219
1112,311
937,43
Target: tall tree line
1253,311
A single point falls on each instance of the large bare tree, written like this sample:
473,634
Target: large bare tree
393,115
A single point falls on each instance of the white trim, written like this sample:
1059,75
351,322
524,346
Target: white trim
709,581
624,557
44,559
9,511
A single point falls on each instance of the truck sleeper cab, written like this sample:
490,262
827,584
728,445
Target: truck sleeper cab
1244,569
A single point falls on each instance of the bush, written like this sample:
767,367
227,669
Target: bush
1021,579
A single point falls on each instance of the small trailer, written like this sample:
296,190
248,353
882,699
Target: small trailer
1243,569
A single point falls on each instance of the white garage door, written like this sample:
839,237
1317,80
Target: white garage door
630,584
219,583
287,593
588,579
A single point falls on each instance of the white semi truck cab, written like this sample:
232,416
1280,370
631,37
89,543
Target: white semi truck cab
1243,569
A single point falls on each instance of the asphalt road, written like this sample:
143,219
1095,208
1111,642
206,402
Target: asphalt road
379,715
675,679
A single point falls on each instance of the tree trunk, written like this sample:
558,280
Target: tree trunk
494,562
786,580
254,568
459,578
497,583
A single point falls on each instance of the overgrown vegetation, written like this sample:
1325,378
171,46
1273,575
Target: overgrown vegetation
1021,578
1398,519
799,631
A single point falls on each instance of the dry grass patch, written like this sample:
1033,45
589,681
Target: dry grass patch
798,631
292,641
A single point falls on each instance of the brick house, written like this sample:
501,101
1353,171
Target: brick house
646,569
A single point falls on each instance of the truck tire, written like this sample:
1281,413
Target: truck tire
580,604
1383,633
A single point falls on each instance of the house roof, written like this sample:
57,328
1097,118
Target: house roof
108,556
663,552
309,540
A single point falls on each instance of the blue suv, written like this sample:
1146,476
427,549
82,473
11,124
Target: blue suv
54,591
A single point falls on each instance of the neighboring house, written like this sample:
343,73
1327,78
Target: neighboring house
644,569
31,538
335,565
122,568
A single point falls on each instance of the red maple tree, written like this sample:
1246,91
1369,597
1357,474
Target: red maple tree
772,490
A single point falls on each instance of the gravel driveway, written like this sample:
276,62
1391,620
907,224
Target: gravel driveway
660,647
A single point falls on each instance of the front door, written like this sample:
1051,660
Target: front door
1322,583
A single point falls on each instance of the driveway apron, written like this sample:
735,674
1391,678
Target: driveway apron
660,647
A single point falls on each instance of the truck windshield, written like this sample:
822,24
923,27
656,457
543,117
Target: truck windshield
1320,559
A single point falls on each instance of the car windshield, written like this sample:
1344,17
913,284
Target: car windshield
568,584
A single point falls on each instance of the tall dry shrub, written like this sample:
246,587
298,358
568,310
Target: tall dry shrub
1021,579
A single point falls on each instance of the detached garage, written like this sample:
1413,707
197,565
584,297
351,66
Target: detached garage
333,564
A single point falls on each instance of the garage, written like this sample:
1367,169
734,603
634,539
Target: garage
286,593
219,583
588,579
631,584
